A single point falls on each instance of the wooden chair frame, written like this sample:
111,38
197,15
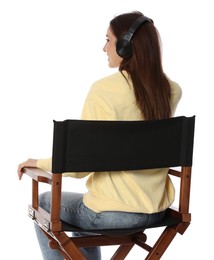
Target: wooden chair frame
176,221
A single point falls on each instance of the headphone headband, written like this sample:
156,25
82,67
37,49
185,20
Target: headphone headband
140,20
123,46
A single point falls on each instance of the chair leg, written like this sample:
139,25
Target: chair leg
55,245
162,243
68,246
61,242
122,252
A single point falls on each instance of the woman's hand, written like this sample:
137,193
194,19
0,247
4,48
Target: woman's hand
32,163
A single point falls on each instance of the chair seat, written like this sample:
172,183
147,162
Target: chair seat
168,220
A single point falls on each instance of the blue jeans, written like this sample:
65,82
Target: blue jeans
73,211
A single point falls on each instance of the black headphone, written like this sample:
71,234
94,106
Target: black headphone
123,46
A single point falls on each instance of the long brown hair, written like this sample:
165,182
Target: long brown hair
151,86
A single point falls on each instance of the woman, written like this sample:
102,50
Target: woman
138,91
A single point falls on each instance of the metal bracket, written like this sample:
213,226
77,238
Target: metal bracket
46,224
31,213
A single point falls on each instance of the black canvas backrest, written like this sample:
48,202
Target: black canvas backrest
87,145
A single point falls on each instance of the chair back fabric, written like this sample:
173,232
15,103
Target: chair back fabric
94,145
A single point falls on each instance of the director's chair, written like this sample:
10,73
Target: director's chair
88,146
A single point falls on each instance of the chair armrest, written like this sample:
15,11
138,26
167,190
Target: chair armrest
38,175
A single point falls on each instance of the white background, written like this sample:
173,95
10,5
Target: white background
50,54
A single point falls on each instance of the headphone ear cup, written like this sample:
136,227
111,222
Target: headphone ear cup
123,48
